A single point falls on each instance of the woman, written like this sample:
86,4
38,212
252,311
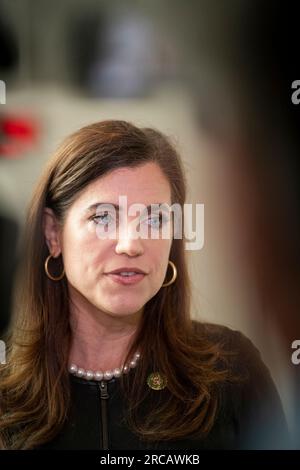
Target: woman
100,360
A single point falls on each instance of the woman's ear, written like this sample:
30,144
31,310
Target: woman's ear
52,232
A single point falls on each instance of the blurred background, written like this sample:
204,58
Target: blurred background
216,78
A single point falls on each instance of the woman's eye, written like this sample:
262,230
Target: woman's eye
157,221
102,219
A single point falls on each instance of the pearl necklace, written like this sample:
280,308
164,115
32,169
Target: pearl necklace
106,375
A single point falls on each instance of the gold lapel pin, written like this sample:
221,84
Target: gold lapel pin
157,381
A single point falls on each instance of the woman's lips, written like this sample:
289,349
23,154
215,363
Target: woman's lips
126,280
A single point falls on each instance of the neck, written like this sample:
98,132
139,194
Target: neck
100,341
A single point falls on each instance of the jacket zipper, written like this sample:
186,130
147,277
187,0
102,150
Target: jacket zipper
104,397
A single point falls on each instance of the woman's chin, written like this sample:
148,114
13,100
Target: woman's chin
123,309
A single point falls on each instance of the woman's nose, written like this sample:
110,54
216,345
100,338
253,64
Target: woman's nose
129,243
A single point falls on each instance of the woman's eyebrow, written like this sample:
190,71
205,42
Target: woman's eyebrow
93,207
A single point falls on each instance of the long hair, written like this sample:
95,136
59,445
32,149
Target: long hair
35,382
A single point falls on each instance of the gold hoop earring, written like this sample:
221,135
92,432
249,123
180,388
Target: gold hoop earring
174,274
58,278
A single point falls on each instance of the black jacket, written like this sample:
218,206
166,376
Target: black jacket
250,415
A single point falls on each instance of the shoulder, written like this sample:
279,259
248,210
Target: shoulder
254,400
241,358
230,340
217,332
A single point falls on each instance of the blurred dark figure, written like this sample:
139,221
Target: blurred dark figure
112,52
9,49
8,227
8,243
272,41
262,149
85,39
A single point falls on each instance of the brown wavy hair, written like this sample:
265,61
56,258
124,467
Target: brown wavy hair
35,382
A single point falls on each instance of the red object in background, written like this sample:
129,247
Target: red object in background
17,136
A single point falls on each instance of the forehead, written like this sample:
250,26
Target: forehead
144,184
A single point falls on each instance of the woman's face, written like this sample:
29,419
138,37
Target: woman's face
88,257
